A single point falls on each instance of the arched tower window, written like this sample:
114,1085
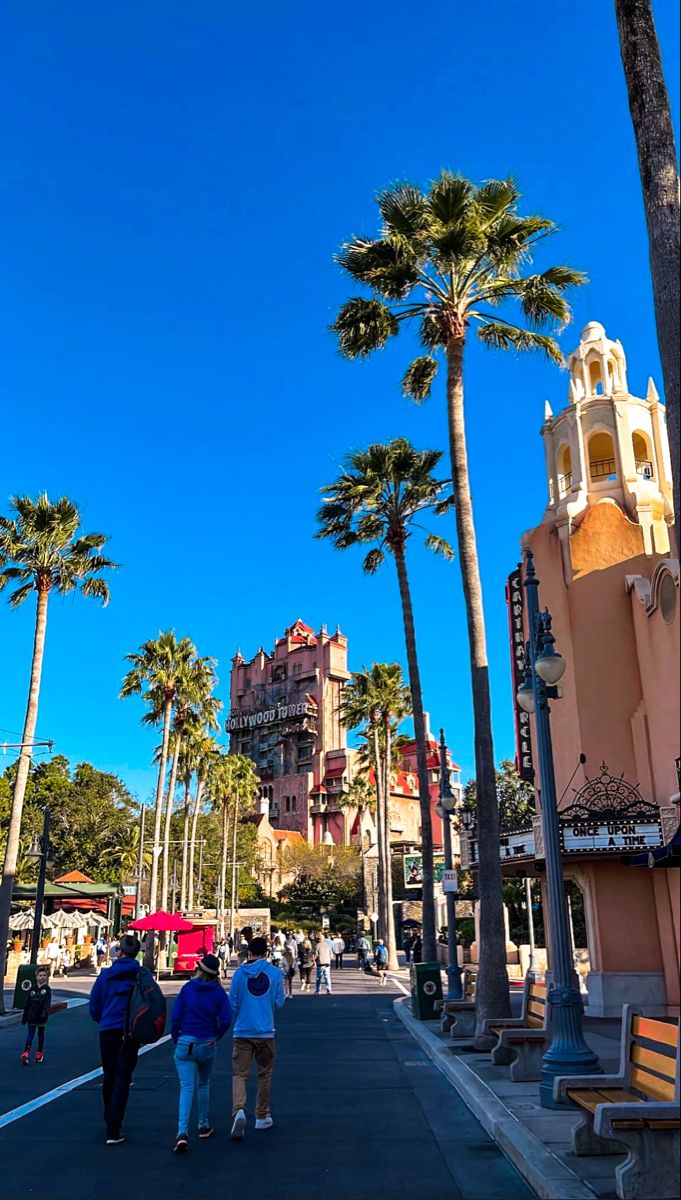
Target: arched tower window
596,377
643,455
602,464
564,471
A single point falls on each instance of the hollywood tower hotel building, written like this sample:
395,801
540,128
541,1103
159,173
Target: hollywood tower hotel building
284,714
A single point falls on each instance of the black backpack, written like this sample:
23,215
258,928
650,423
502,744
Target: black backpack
146,1010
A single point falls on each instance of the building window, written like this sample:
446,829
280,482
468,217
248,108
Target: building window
287,803
643,456
602,464
294,803
667,598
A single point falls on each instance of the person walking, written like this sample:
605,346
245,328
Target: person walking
338,945
224,955
100,952
36,1013
407,945
54,957
288,971
363,948
381,961
305,963
109,1004
417,949
322,957
257,990
201,1016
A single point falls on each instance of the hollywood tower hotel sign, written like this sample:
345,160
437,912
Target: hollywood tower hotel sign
285,716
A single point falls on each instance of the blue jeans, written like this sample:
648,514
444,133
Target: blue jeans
323,978
194,1063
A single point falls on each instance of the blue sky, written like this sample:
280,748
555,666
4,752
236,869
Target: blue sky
175,186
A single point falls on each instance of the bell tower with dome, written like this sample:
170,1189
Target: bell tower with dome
607,445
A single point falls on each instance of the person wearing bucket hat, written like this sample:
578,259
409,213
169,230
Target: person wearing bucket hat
201,1016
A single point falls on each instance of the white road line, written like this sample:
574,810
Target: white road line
23,1110
405,991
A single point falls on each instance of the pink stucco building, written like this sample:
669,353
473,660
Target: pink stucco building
609,574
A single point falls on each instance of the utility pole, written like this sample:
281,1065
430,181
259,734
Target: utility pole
140,866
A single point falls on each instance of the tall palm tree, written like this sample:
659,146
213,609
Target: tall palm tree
657,163
42,550
125,854
193,703
157,669
232,786
448,258
206,754
378,498
376,700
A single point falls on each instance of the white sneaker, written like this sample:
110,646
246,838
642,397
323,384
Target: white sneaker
239,1125
264,1123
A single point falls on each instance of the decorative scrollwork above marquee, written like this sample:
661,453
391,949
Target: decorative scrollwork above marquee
610,798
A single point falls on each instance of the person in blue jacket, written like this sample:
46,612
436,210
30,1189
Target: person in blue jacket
109,1003
201,1016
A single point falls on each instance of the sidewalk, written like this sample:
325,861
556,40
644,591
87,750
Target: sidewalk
535,1139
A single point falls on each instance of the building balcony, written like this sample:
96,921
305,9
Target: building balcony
644,468
564,485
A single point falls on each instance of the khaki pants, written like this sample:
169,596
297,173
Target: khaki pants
244,1050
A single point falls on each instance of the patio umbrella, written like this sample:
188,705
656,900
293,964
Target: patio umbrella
95,918
23,920
62,919
162,922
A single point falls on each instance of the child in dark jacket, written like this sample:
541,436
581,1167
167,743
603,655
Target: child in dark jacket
201,1016
36,1012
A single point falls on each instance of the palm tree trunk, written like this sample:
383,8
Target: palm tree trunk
21,779
427,893
390,939
491,993
185,845
158,810
223,868
170,799
232,908
380,830
192,843
651,117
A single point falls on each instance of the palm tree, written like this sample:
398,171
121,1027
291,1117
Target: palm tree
376,700
125,854
378,498
448,258
158,666
206,754
657,162
193,703
232,786
42,550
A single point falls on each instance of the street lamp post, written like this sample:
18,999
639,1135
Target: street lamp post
39,850
444,810
568,1053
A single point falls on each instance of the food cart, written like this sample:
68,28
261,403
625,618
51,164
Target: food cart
193,943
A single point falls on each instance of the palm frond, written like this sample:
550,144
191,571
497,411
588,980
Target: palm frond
363,326
509,337
418,379
403,210
439,545
374,559
385,265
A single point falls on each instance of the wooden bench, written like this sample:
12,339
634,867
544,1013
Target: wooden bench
521,1041
636,1110
458,1016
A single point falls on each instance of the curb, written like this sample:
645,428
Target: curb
546,1174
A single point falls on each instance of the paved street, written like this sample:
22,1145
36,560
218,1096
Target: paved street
360,1112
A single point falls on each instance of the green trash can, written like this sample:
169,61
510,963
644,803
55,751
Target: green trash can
426,988
23,985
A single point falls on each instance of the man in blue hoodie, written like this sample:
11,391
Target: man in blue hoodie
109,1001
257,990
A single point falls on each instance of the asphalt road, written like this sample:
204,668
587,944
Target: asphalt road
360,1112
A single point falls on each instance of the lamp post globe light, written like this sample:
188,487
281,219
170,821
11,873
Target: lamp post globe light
568,1053
39,850
444,810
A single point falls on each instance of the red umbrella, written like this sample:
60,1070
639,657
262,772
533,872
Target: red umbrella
162,922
